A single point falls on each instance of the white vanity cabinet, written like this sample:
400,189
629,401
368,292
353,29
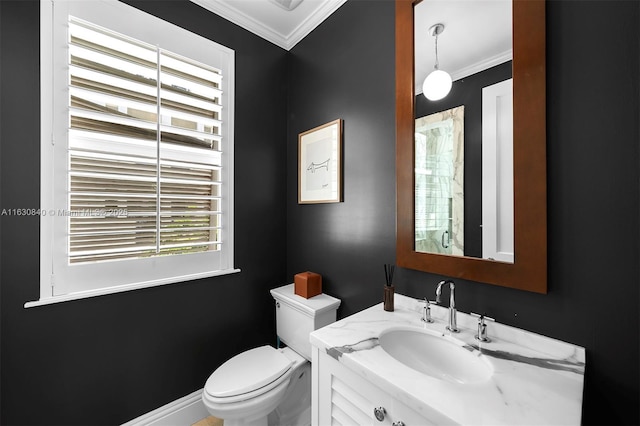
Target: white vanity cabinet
521,377
341,397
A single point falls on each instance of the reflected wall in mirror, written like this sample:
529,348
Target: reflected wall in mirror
528,270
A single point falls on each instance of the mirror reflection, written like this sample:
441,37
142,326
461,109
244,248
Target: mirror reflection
464,172
439,180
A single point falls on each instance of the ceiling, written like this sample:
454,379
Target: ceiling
477,33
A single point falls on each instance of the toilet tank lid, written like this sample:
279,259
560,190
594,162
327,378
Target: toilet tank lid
312,306
247,372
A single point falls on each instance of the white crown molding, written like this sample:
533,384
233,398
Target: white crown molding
482,65
312,21
285,41
234,15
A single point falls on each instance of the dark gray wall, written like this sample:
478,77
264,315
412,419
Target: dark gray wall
108,359
344,69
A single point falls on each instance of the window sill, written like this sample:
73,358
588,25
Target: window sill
120,289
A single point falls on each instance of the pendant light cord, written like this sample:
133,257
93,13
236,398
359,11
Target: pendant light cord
436,64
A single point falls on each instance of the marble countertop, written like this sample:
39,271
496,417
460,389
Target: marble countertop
537,380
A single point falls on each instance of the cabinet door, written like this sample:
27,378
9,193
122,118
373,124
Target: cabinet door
344,398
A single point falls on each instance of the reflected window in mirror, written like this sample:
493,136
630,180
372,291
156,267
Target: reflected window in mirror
439,181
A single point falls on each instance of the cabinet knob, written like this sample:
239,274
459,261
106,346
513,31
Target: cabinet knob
379,413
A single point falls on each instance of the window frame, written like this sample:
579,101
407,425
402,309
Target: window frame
54,15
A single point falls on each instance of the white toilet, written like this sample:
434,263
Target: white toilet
268,386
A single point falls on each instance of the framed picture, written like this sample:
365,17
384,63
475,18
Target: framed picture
320,164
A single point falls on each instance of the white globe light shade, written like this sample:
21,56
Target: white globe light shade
437,85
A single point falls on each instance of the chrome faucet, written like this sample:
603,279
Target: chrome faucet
453,326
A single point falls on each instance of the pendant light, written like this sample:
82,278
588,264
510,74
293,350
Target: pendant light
437,84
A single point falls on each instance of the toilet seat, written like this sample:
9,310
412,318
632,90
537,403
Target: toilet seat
247,375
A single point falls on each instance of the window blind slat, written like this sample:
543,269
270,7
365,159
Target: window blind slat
199,138
182,97
106,40
179,65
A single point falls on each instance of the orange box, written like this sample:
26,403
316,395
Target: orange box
307,284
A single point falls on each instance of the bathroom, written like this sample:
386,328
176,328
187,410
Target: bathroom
109,359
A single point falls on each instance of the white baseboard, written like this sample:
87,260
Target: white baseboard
181,412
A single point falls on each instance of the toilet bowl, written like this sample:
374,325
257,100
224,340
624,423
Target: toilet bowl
268,386
246,388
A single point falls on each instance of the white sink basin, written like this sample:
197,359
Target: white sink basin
442,357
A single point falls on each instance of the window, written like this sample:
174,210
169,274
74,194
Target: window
137,151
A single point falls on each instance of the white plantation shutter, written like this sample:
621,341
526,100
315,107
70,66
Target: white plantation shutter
146,150
163,197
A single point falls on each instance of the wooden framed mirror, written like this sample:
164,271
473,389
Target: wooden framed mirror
529,268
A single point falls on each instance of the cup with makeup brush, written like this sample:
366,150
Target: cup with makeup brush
388,288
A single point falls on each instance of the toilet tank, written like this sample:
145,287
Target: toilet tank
297,317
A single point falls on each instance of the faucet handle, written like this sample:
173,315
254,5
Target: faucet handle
426,310
481,317
482,327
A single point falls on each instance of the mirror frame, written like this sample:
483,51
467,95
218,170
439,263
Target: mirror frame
529,270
